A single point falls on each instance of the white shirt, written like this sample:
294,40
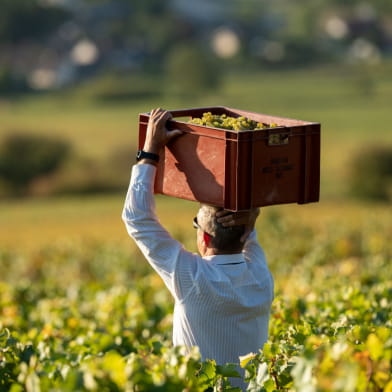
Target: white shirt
222,302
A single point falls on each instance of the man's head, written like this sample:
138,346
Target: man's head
213,237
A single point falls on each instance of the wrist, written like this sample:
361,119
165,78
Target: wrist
148,161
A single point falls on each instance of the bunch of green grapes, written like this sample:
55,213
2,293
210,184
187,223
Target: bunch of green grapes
226,122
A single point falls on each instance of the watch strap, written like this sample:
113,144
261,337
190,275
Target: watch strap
146,155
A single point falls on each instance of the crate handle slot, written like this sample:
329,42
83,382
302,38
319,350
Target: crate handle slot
278,138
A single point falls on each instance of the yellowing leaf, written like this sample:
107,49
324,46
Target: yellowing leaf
388,387
375,346
244,359
115,365
381,377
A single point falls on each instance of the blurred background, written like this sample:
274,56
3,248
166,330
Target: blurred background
74,74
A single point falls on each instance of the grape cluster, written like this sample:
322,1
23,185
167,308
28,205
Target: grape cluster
226,122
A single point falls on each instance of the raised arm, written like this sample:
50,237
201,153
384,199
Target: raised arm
165,254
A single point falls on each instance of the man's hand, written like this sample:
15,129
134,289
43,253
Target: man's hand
157,134
246,218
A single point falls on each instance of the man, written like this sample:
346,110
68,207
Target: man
222,297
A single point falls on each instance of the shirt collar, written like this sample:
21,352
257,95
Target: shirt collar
225,259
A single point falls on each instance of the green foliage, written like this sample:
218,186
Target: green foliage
323,349
11,82
191,70
87,176
371,173
93,317
24,157
117,87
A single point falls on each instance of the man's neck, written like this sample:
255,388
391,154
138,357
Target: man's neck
215,252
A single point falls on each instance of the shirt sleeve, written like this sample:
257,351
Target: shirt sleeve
175,265
254,252
252,249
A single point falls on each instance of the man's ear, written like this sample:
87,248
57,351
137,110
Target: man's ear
206,238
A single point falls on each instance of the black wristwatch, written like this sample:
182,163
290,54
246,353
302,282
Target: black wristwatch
148,155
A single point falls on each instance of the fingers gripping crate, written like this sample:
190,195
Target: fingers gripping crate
239,170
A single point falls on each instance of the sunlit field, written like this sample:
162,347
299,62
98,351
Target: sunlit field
80,309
